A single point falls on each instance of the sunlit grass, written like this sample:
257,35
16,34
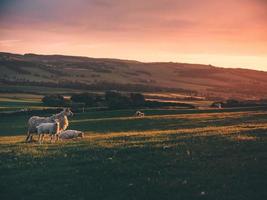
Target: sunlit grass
141,138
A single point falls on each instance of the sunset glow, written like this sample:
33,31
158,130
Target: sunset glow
229,33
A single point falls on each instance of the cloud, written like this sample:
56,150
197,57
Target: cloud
129,15
176,26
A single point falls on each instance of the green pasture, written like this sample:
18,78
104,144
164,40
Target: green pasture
168,154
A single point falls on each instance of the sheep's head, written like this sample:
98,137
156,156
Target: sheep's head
68,112
53,118
81,134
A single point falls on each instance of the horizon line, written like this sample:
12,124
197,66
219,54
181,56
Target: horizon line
135,60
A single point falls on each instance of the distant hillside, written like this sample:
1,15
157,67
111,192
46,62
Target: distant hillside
103,74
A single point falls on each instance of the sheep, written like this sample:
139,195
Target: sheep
34,121
63,118
139,114
71,134
48,128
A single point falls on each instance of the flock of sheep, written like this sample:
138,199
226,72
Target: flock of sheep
56,126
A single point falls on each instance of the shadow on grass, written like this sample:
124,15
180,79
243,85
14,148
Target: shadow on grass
197,165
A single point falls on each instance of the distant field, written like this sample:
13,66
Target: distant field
17,101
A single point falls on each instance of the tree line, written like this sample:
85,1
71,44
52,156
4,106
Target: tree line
111,99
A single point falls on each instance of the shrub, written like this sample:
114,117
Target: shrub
117,100
86,98
158,104
137,99
232,102
55,100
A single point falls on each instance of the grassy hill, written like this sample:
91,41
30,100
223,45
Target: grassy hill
102,74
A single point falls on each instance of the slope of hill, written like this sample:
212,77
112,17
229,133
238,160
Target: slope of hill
102,74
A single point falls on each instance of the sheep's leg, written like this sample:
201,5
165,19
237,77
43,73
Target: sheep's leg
31,137
42,138
55,138
51,138
59,139
28,136
39,138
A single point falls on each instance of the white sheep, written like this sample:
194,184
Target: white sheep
71,134
48,128
139,114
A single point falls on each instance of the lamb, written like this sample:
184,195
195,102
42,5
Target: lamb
48,128
71,134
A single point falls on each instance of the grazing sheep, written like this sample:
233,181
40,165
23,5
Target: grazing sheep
48,128
35,121
139,114
218,105
71,134
142,115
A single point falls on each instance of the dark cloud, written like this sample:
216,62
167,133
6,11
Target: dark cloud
98,14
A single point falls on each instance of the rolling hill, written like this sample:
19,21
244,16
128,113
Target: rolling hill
102,74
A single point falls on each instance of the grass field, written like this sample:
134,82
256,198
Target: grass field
17,101
168,154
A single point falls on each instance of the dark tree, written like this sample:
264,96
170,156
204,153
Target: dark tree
117,100
54,100
137,99
232,101
86,98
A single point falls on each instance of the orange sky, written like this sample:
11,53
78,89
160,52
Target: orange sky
228,33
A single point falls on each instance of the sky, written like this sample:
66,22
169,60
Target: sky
228,33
